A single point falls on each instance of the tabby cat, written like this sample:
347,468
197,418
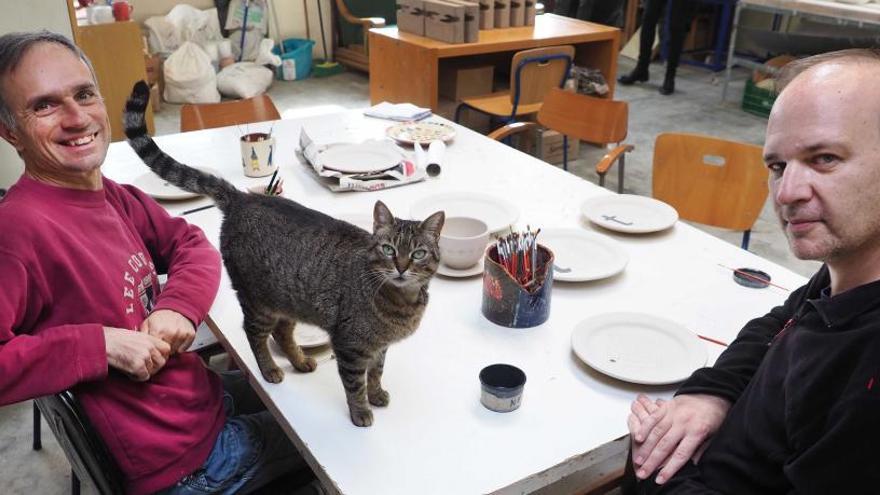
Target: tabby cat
289,263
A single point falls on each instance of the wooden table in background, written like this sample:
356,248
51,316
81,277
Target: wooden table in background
404,67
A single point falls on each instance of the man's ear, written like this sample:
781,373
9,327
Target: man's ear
10,136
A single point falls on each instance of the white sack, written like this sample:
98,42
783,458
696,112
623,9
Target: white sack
190,77
244,80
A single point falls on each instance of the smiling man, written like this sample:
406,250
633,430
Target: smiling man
792,405
81,306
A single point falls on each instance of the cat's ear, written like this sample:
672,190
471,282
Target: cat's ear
382,216
434,224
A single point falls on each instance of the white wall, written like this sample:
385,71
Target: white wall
25,16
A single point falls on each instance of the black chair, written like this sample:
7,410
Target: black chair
85,451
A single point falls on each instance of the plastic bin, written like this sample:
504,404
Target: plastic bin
757,101
296,62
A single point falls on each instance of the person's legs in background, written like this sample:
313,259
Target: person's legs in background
650,18
568,8
681,14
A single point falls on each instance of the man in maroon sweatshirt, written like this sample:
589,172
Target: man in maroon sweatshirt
81,307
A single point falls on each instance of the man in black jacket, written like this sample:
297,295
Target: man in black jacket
792,406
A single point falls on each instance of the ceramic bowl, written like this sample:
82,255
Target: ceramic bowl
462,242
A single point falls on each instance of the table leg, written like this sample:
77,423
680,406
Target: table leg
730,50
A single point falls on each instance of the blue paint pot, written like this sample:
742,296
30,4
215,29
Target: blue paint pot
502,387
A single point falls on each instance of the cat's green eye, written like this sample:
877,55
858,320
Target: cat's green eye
419,254
387,250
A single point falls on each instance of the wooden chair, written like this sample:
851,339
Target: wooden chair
596,120
260,108
711,181
533,73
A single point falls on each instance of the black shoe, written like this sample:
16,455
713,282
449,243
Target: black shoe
637,75
668,84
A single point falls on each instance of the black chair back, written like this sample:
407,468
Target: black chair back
83,447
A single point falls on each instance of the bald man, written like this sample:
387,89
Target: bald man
793,405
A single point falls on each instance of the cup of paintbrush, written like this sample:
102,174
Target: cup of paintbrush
272,189
519,301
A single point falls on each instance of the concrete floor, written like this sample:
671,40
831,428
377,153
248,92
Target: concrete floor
695,107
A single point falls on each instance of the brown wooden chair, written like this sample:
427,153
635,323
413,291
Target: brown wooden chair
596,120
260,108
354,55
710,180
533,73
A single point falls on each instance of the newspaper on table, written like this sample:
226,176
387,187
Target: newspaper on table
405,173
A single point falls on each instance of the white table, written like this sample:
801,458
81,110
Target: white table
435,437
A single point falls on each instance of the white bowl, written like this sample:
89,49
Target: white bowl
463,241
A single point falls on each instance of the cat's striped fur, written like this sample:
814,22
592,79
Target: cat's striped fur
288,263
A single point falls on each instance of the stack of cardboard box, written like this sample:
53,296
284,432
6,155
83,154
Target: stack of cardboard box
459,21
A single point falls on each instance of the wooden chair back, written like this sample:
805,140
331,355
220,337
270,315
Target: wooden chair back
709,180
260,108
537,78
596,120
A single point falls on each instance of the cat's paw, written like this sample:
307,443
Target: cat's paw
361,417
379,398
273,375
306,365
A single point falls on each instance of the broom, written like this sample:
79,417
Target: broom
327,67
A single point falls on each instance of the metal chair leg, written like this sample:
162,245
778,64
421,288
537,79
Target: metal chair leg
38,437
458,112
74,483
601,180
620,167
747,235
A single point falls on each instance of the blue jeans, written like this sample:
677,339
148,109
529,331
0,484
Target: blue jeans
250,451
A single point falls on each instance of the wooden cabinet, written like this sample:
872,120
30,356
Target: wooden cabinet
117,53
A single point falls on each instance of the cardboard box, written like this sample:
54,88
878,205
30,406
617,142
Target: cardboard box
517,13
502,13
487,14
551,147
471,20
410,16
444,21
458,83
530,12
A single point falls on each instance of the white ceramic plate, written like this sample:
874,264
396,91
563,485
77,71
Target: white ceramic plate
589,256
629,213
638,348
159,188
307,335
359,158
497,213
473,271
421,132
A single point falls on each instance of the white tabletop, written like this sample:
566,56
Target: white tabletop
435,436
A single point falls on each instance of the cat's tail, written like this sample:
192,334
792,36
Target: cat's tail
165,166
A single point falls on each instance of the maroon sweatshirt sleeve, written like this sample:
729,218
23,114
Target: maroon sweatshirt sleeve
50,361
180,250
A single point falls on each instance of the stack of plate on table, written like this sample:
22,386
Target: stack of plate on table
372,157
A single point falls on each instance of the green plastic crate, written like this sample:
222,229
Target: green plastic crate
757,101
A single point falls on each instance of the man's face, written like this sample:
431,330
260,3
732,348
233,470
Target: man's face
62,130
823,151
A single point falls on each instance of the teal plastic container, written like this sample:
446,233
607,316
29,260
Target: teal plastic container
296,62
